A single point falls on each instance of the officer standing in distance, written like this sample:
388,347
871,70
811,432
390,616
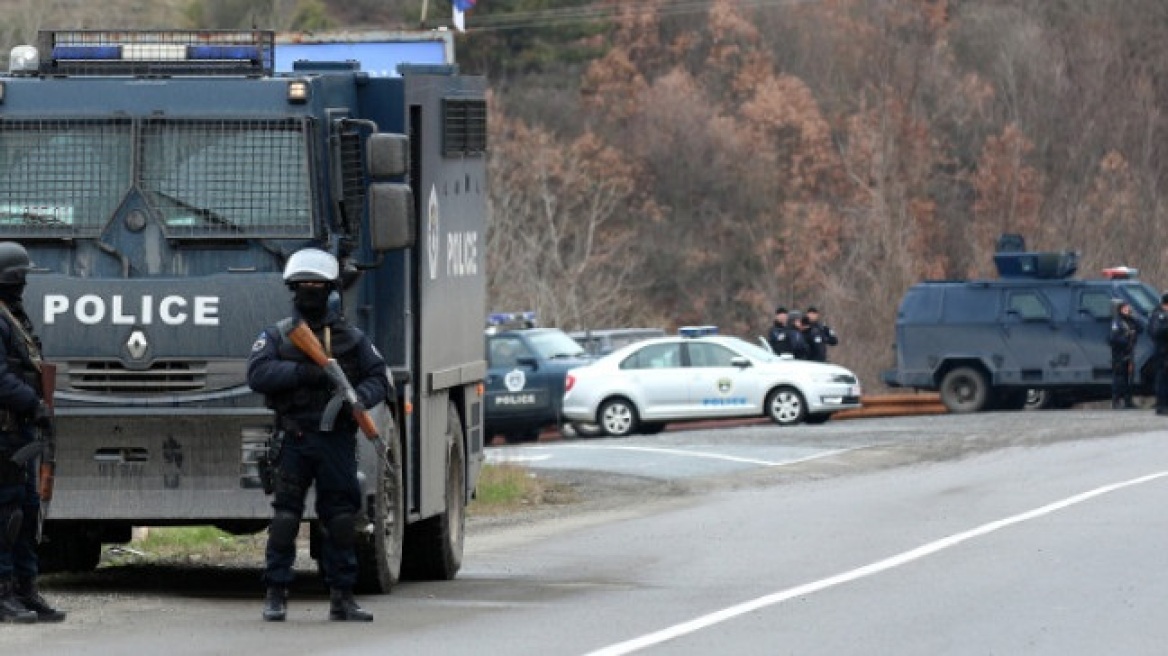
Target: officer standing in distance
313,445
818,335
1125,330
22,410
1158,331
785,338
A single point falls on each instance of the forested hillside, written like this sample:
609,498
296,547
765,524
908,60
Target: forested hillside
670,162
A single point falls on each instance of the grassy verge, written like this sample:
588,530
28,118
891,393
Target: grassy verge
508,488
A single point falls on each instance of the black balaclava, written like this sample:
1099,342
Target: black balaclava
311,302
12,294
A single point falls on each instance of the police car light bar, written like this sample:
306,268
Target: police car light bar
1120,273
497,320
152,52
697,331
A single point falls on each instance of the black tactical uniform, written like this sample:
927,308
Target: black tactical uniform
1125,330
300,393
21,412
785,338
1158,331
819,336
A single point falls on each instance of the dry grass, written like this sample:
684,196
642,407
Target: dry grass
508,488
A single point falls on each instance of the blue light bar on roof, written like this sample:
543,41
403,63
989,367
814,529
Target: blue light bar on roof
500,318
697,331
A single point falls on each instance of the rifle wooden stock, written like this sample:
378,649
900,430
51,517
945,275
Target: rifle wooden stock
304,339
48,468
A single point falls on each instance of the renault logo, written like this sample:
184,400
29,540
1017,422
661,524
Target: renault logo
137,345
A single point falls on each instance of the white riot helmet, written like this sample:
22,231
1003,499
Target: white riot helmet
311,265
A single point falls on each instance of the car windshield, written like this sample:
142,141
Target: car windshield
749,350
555,344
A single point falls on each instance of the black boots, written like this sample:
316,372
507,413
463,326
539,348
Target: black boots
30,598
11,610
276,604
343,608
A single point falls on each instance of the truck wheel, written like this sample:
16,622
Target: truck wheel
382,534
785,406
964,389
618,418
433,548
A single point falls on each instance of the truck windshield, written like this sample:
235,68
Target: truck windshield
197,178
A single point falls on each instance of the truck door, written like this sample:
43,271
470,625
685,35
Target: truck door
1091,323
1041,349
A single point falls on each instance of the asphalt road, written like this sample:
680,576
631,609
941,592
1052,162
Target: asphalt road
1037,533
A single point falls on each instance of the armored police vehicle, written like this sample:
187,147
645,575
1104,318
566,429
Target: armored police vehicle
1035,335
525,375
160,181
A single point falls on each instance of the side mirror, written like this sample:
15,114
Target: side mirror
391,216
740,362
387,155
527,361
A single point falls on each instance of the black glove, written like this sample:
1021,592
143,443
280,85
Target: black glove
42,417
312,376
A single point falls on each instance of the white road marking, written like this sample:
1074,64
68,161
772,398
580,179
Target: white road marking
717,617
712,456
495,456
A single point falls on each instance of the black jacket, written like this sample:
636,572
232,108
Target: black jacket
293,385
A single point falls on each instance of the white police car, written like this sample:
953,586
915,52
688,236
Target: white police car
701,375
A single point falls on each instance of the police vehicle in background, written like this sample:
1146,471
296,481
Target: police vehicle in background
525,375
602,341
699,374
160,180
1034,337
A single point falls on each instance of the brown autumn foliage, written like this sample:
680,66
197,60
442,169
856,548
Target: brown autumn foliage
834,153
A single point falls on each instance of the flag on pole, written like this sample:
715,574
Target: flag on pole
460,7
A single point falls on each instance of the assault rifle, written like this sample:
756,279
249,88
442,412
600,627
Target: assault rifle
304,339
45,445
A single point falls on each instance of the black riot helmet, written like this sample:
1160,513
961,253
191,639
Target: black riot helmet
14,263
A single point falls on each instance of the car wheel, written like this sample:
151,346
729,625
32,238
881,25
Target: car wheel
819,418
618,418
786,407
964,389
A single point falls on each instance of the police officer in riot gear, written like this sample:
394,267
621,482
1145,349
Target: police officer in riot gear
314,446
22,410
1125,330
818,335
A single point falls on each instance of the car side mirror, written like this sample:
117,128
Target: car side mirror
740,362
527,361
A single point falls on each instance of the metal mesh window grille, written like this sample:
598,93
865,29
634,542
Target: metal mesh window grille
202,179
352,177
248,178
464,127
62,176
